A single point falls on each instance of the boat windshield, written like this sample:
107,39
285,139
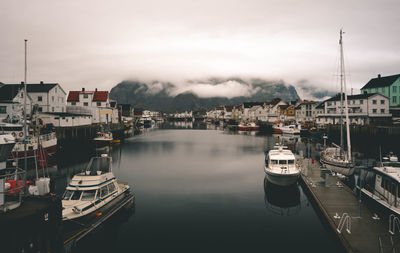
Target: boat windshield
274,161
88,195
290,161
67,194
282,162
76,195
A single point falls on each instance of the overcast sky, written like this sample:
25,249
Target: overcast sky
99,43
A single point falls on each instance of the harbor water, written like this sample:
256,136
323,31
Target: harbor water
202,190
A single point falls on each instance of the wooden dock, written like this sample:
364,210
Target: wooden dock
361,231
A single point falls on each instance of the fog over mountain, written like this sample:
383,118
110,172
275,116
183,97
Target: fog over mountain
200,94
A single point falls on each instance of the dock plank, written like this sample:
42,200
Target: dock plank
333,197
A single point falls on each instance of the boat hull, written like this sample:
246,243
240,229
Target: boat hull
281,179
346,170
277,130
248,128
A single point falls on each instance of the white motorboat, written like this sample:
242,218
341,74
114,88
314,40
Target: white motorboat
280,166
103,138
334,158
290,129
92,189
382,184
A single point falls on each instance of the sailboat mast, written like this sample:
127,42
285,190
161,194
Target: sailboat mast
343,74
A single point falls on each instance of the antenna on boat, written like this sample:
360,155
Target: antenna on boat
25,132
380,154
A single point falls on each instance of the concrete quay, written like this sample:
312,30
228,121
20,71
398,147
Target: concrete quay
356,227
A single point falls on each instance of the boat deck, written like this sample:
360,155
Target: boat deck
333,199
79,229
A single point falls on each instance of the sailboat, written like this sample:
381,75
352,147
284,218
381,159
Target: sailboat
334,158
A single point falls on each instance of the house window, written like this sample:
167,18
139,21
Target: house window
382,102
394,99
52,98
374,110
52,109
56,89
361,101
3,109
85,104
73,103
98,103
394,89
383,90
382,110
374,102
365,92
85,95
40,109
39,98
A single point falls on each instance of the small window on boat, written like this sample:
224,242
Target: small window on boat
290,161
104,191
76,195
67,194
274,161
282,161
111,187
88,195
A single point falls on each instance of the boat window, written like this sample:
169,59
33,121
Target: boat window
104,191
290,161
67,194
274,161
76,195
282,161
88,195
111,187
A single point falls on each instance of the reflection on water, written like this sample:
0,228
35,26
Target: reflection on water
282,200
202,190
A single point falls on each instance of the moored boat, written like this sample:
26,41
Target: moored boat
103,138
290,129
280,166
248,126
91,190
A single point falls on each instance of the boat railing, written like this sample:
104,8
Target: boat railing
394,223
11,188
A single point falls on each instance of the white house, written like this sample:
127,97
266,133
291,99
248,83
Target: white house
306,111
50,97
273,109
12,102
363,109
95,103
65,119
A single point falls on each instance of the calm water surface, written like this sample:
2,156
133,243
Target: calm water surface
205,190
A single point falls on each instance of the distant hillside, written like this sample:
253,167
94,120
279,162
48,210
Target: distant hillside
165,96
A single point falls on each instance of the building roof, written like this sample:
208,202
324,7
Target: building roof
98,96
40,87
320,105
8,91
283,107
381,81
228,108
349,97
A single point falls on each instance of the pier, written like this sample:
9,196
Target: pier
357,228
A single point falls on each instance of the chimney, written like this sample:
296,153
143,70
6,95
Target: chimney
41,82
379,75
83,89
96,89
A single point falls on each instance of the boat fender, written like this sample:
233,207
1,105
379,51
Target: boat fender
21,134
14,134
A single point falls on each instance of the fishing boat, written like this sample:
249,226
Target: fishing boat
335,158
248,126
280,166
47,141
277,128
92,189
382,183
103,138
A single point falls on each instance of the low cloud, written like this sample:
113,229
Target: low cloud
227,89
309,91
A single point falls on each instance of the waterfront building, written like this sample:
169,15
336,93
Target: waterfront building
306,111
388,86
244,114
363,109
64,119
228,112
287,113
12,102
95,103
273,109
49,97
